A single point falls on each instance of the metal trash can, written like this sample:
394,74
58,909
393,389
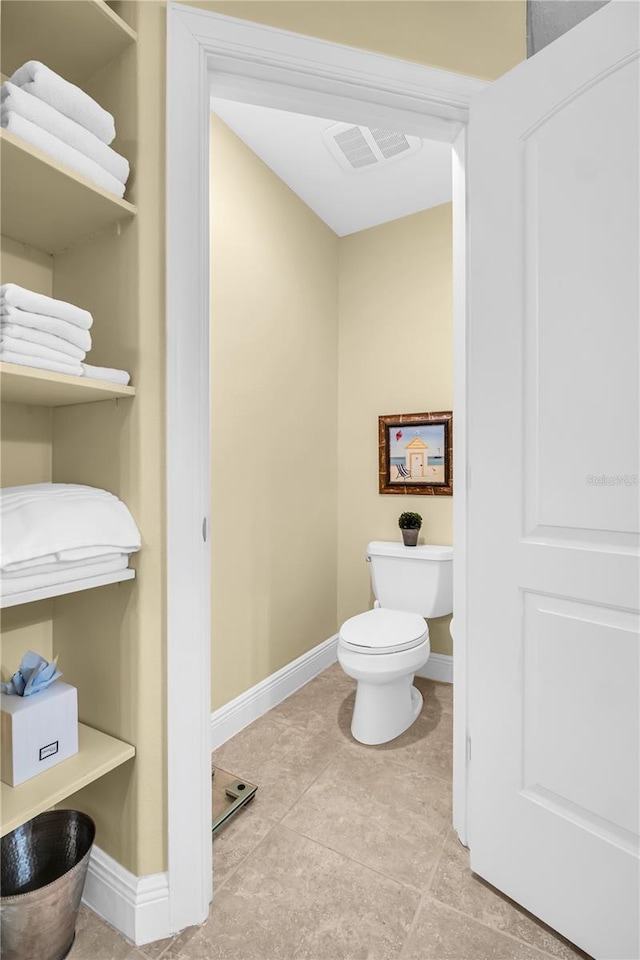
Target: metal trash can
43,868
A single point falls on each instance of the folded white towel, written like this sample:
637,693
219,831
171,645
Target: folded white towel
37,323
70,100
72,368
51,562
10,586
12,295
60,151
56,493
30,349
106,373
44,116
44,518
25,493
15,332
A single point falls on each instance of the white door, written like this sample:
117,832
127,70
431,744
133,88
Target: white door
553,487
417,465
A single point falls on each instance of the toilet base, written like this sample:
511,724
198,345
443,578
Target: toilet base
383,711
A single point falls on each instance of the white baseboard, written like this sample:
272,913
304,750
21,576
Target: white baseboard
136,906
239,713
439,666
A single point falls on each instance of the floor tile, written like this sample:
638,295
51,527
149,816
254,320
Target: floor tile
325,705
420,749
282,760
427,744
441,933
178,947
157,949
454,884
434,691
96,940
436,724
383,815
297,900
364,830
236,839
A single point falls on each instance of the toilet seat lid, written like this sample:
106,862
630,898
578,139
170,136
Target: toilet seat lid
383,631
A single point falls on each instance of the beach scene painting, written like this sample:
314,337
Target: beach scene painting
415,452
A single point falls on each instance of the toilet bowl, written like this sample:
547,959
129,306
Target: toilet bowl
383,648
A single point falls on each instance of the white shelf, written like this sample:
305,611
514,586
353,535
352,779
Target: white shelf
98,754
48,206
61,589
75,38
43,388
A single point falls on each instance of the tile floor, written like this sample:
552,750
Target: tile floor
346,852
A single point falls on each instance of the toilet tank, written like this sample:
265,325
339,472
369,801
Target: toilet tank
416,579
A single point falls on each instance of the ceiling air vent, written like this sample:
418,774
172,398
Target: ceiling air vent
356,148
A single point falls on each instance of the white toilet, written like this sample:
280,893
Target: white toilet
383,648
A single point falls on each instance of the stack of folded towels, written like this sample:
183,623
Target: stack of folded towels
64,122
38,331
56,533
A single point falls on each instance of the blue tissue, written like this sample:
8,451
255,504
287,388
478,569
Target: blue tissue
34,674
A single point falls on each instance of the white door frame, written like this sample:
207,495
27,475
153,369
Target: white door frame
275,68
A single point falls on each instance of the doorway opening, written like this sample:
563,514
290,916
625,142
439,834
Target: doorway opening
331,285
295,75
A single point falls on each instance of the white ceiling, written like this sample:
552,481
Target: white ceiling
292,145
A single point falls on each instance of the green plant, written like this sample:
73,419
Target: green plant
410,521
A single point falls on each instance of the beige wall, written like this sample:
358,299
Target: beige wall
479,38
313,337
25,450
25,457
396,356
25,265
274,413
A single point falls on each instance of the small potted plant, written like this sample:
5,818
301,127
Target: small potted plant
410,524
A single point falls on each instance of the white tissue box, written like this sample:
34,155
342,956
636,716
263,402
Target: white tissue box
37,731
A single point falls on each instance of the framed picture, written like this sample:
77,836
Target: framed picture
416,453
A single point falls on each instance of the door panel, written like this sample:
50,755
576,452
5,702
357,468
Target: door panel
553,509
582,340
566,678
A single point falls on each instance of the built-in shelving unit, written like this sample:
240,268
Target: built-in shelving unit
61,589
48,206
55,241
44,388
50,32
98,754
